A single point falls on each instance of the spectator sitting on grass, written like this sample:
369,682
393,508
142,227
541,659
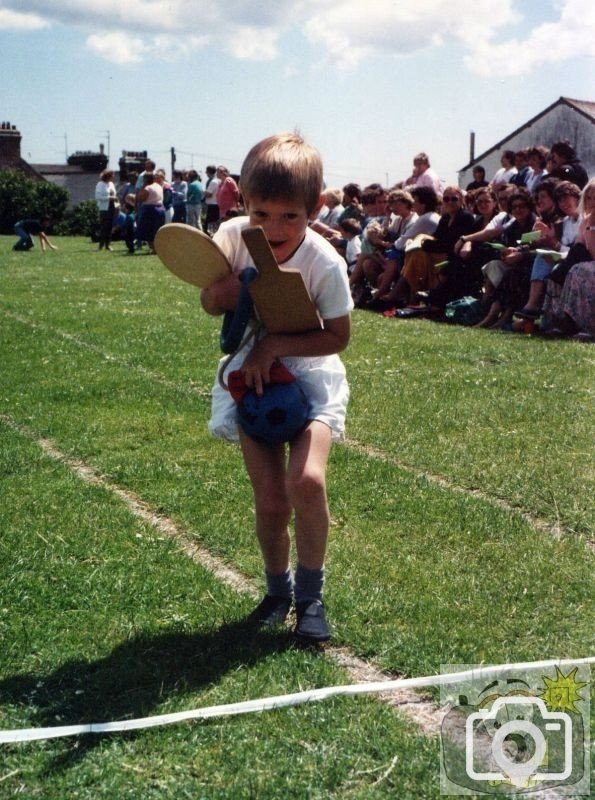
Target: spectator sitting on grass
419,270
479,178
425,203
351,231
569,309
507,169
467,278
521,162
507,277
566,166
401,204
352,202
374,209
537,158
545,203
557,238
372,262
332,209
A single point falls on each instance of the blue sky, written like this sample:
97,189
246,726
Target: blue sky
368,84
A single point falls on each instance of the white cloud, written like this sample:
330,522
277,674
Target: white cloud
251,44
345,32
572,36
16,21
118,47
350,31
123,48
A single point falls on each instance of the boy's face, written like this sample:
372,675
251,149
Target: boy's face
284,223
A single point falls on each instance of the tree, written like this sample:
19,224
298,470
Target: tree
22,198
82,220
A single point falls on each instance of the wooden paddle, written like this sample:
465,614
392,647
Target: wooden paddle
280,295
191,254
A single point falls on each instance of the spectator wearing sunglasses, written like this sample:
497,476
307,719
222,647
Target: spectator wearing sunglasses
419,270
506,279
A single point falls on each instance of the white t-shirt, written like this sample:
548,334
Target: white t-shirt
352,250
322,378
322,268
211,192
503,175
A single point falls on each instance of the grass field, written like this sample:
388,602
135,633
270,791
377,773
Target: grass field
462,532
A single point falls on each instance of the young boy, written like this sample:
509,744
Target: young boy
352,233
281,183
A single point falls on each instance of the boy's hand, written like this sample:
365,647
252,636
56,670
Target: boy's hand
256,368
221,296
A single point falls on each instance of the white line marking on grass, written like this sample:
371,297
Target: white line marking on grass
425,714
554,530
535,522
114,359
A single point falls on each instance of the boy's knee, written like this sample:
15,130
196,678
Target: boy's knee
306,486
273,506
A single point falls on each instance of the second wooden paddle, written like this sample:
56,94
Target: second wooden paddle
280,295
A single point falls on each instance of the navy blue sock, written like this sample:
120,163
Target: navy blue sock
308,584
280,585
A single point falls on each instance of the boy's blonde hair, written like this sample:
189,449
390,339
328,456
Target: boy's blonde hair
283,167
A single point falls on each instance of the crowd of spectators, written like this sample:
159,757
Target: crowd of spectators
144,202
516,252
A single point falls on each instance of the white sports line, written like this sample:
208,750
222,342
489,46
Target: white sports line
398,692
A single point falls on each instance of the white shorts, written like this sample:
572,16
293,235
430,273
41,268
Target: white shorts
322,379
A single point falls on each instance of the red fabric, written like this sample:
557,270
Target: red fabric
237,385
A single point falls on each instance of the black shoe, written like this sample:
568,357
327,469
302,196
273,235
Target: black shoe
311,622
271,611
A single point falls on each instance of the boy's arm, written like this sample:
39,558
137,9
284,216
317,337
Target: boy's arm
332,339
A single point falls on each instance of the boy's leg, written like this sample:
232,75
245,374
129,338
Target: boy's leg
266,469
306,487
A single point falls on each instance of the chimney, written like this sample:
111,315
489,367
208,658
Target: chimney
472,147
102,148
10,145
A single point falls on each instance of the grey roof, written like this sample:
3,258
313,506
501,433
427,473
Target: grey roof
584,107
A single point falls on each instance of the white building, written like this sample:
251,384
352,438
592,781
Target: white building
565,120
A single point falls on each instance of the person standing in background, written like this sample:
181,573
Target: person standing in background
211,206
194,199
179,188
228,193
105,196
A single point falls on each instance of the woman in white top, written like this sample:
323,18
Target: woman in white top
105,197
507,170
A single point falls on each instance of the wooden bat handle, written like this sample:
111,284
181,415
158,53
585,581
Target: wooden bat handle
260,250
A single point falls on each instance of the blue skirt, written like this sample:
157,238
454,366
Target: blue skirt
151,219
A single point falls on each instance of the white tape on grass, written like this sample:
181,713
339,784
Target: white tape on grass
281,701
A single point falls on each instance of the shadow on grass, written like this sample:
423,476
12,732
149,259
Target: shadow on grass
135,678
